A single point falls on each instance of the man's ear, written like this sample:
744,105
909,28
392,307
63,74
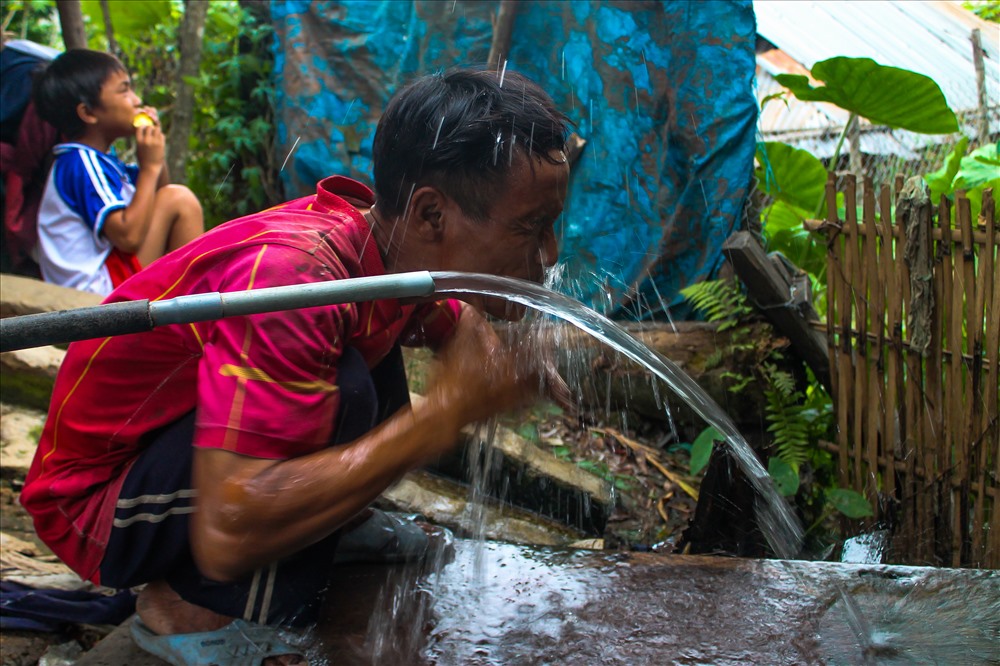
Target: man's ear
427,212
83,111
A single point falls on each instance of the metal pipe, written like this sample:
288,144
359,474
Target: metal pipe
109,319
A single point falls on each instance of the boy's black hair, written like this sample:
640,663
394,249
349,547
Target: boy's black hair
73,77
461,131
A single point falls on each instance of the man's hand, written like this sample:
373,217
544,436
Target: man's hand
479,375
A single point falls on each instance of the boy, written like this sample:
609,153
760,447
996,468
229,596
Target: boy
101,221
217,462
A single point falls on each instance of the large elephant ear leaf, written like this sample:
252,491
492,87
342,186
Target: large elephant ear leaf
132,21
790,174
884,95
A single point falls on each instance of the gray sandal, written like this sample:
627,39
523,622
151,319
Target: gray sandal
239,643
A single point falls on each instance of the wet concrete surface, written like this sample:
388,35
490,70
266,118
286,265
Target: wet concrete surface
497,603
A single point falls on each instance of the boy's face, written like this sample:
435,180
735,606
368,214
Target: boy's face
519,238
117,106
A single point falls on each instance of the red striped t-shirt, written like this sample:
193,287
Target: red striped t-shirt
263,385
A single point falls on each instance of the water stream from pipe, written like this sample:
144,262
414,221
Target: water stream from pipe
776,520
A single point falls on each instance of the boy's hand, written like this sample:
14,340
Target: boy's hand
151,113
150,143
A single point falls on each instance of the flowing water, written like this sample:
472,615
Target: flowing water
542,606
498,604
776,520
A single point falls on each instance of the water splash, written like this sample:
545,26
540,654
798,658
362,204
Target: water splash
777,522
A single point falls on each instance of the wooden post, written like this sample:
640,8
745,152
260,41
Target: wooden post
834,288
979,425
851,322
769,289
888,343
503,34
977,61
71,21
991,415
871,324
910,370
503,31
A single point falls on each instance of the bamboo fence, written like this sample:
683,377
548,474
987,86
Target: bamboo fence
913,330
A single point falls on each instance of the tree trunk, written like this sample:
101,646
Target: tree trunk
109,30
192,33
71,20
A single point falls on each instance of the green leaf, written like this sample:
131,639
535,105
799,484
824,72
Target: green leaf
790,174
884,95
785,234
131,19
561,452
701,449
528,431
940,181
772,97
977,168
850,503
623,483
786,478
975,196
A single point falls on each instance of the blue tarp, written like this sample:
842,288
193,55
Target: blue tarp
662,91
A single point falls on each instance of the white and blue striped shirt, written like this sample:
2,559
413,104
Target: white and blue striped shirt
83,188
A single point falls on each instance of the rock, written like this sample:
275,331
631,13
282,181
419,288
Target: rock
27,375
526,476
20,428
445,502
24,648
23,295
63,654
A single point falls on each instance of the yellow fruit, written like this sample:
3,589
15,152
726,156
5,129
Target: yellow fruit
142,120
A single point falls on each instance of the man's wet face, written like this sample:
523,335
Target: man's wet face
519,238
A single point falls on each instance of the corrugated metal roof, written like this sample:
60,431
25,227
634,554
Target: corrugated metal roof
932,38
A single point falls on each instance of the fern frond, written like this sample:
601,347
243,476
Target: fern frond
718,300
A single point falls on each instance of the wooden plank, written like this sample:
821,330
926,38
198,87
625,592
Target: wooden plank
854,278
890,342
991,412
973,389
956,321
940,461
834,299
769,289
978,232
872,323
981,427
947,507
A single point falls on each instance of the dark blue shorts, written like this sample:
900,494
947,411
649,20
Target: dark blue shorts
150,538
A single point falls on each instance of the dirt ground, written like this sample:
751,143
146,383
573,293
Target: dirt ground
655,495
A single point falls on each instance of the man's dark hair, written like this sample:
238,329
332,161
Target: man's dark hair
75,76
461,131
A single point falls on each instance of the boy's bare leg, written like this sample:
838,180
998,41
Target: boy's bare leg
164,612
177,220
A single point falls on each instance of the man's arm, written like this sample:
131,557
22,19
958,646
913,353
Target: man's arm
253,511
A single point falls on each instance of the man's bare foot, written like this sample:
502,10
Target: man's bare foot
164,612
